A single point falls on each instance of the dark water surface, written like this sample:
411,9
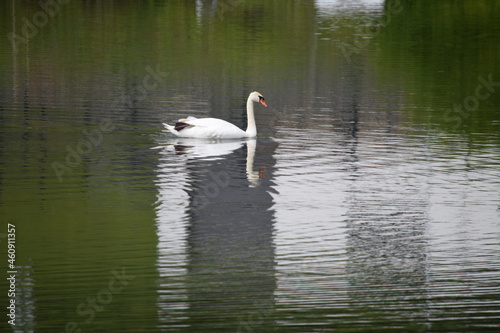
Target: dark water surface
370,202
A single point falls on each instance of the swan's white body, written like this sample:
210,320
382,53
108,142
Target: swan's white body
214,128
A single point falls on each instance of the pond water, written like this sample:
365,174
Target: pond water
370,201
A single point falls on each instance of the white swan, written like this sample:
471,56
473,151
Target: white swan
217,128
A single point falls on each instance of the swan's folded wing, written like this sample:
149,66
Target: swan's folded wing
207,128
181,125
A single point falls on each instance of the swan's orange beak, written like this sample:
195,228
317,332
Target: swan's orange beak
262,101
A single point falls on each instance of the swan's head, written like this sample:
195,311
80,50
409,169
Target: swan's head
257,97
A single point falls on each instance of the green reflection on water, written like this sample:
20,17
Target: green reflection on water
452,58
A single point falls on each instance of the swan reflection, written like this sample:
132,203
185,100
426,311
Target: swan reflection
213,149
203,148
215,228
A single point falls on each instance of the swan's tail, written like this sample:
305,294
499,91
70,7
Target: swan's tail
170,128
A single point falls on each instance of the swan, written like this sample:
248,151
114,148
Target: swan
214,128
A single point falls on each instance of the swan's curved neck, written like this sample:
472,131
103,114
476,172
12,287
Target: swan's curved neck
251,128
